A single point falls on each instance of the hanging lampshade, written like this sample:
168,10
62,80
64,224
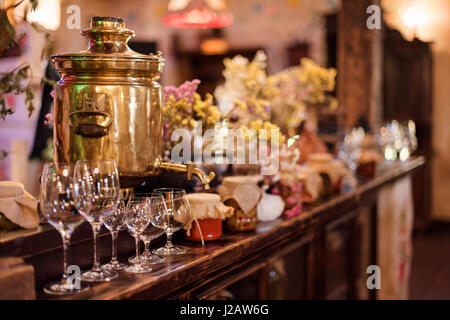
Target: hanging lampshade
198,14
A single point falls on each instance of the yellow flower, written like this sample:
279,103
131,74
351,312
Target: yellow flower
241,104
334,103
256,124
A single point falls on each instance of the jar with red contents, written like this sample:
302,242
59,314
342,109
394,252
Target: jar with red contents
207,215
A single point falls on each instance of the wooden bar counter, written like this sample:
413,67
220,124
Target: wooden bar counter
303,243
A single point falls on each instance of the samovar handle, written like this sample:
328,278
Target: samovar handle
91,120
92,124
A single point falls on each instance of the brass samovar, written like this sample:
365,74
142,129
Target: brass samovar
107,105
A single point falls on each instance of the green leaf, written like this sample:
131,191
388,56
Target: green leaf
29,95
47,49
48,81
13,82
7,32
34,4
3,155
4,111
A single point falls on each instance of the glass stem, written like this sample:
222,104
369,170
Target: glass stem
114,236
147,248
65,239
96,230
169,243
137,250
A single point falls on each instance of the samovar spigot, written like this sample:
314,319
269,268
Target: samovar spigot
205,179
191,170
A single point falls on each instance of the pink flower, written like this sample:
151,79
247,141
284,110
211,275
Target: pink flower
296,187
23,39
10,100
188,89
294,211
165,129
185,91
52,93
171,91
49,120
291,200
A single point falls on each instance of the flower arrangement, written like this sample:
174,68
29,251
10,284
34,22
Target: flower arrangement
319,82
244,82
291,192
243,98
18,80
184,107
298,87
285,182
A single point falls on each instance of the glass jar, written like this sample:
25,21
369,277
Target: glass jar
243,194
207,215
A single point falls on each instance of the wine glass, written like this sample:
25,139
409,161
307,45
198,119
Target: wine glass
97,193
58,206
179,212
115,222
349,148
158,224
137,218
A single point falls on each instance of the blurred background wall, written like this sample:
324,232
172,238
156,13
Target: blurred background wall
434,17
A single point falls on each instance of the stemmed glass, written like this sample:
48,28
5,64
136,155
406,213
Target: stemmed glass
58,206
349,149
115,222
179,213
157,226
137,218
97,193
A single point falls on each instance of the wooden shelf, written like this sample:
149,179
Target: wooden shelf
197,274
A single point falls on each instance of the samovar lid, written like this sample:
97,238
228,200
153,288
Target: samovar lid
108,51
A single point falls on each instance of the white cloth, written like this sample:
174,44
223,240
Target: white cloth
206,206
311,181
243,189
395,224
18,205
270,207
324,162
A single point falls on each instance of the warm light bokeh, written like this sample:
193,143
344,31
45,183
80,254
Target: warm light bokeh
425,19
47,14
